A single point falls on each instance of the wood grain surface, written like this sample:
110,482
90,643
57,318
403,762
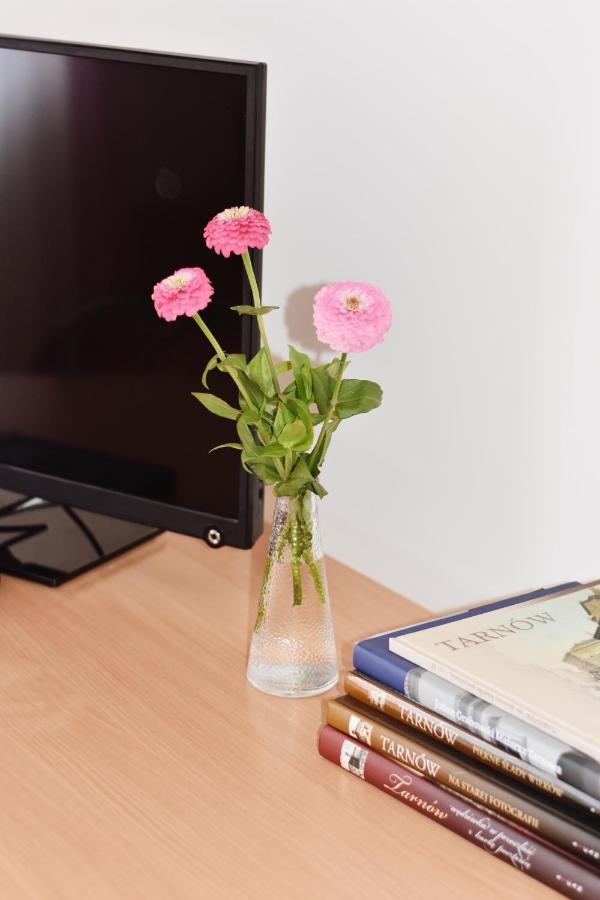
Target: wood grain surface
136,761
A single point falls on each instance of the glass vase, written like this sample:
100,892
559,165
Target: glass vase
293,653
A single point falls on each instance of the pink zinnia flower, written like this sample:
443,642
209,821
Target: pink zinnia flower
184,293
352,316
236,229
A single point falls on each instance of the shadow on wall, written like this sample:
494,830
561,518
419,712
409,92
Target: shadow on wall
299,323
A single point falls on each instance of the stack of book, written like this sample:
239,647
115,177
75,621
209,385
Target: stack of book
488,723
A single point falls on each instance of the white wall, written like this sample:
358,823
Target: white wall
450,153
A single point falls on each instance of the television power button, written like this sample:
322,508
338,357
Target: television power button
214,537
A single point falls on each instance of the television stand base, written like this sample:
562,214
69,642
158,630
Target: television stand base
52,542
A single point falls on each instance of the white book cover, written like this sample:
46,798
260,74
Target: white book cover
539,660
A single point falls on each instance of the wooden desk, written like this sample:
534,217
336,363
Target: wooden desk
136,762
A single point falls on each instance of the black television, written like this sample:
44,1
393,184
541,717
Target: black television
111,163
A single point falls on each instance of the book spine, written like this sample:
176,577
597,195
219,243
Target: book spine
444,770
509,704
504,841
423,719
381,666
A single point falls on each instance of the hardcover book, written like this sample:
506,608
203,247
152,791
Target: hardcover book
506,842
373,656
559,759
376,695
538,660
468,778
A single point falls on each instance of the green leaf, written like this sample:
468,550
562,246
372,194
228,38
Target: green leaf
243,458
290,488
300,478
323,385
302,412
265,471
283,366
245,435
210,365
317,488
259,372
302,374
356,397
288,462
297,359
266,421
222,446
250,417
235,361
254,452
302,469
257,397
293,435
274,450
334,367
253,310
236,365
318,460
304,384
217,406
283,417
251,448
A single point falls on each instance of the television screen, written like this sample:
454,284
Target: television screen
109,170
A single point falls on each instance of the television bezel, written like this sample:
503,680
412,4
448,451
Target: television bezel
244,530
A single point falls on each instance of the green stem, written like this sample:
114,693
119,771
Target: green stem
261,324
283,539
208,334
260,612
298,535
222,356
316,575
307,549
295,562
238,383
336,390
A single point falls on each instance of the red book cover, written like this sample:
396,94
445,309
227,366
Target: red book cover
506,842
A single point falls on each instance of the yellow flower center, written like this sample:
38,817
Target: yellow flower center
353,302
178,281
234,212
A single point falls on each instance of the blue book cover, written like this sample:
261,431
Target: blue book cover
374,658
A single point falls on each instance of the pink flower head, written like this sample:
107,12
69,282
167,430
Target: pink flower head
184,293
236,229
352,316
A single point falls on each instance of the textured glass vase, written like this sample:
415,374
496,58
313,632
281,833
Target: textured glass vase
293,652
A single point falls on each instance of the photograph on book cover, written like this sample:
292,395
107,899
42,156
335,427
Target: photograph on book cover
540,661
484,732
360,729
353,758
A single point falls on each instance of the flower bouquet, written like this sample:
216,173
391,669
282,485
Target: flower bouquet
285,419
